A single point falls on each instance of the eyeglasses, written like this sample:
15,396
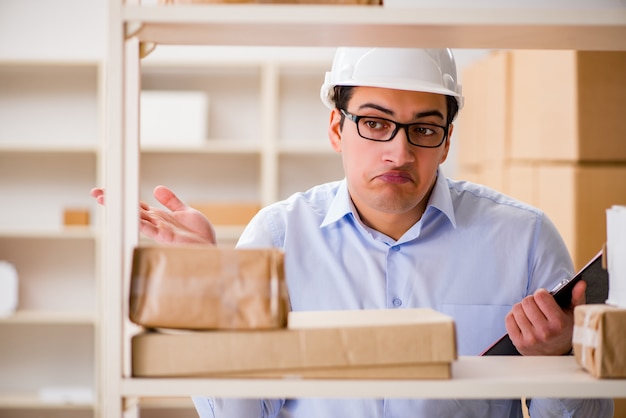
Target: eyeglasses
426,135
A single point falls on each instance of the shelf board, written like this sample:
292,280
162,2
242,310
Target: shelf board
305,148
211,146
36,148
328,25
69,232
228,232
49,62
494,377
35,317
33,401
223,233
175,58
166,403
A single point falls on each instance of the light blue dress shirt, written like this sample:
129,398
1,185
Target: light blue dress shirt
472,255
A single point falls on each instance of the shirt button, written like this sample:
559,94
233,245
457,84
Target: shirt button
397,302
396,248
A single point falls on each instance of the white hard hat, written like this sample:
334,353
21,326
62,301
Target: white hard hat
427,70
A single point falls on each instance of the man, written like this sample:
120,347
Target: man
395,233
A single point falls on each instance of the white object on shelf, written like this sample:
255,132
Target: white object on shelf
616,248
8,288
173,117
66,395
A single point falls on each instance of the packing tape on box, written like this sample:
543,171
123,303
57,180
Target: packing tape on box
585,336
231,274
616,255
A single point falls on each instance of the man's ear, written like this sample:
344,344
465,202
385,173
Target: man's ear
446,145
334,129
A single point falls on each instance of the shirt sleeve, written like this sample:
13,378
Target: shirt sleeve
263,230
237,408
571,408
550,262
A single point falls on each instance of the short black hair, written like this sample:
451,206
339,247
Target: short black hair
343,94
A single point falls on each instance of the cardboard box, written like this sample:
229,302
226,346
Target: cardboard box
408,343
568,105
204,287
228,213
483,123
574,196
73,217
599,340
173,118
544,105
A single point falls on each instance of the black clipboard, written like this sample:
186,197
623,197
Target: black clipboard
596,277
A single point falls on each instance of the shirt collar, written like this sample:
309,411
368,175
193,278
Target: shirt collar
440,199
340,206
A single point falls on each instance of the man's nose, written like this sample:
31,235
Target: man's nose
399,149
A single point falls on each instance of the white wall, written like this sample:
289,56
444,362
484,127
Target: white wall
48,30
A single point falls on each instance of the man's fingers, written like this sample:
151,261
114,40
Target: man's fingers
512,327
535,306
148,228
98,193
521,319
544,303
578,293
168,199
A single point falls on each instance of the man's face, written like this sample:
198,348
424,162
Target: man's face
394,178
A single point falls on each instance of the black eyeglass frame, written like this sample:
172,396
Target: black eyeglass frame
398,126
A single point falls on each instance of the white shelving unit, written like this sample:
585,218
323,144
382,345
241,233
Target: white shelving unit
49,159
136,28
266,125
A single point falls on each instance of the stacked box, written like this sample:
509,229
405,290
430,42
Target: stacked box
568,106
205,287
391,344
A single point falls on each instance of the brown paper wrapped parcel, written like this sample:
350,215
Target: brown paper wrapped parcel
415,343
206,287
600,339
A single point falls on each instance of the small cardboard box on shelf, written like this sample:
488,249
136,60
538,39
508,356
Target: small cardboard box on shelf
204,287
75,217
599,340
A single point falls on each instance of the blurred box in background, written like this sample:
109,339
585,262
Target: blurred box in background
75,216
568,105
173,118
227,213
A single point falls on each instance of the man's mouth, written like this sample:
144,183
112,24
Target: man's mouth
396,177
